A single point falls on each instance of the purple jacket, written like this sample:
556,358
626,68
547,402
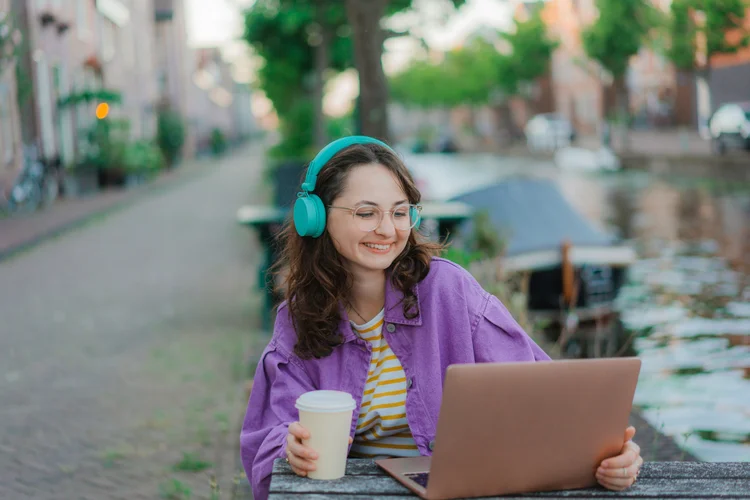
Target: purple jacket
459,322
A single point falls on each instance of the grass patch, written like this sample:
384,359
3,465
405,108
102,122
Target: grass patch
112,456
174,490
191,462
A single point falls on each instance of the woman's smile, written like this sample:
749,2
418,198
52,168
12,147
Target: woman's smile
378,248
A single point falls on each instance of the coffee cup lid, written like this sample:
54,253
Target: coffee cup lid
326,401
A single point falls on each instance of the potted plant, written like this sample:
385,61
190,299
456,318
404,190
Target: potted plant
218,142
142,160
170,135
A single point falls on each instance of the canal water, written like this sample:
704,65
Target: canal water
687,301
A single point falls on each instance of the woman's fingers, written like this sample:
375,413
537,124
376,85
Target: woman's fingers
621,478
296,430
300,457
629,455
620,472
294,442
617,484
300,466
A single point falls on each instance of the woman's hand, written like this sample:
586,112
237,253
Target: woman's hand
301,458
620,472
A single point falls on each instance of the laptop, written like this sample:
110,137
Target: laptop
509,428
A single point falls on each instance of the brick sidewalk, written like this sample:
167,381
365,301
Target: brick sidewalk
22,231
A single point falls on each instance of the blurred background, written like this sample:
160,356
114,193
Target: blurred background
587,160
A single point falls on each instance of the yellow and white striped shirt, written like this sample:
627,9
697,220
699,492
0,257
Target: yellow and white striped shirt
382,429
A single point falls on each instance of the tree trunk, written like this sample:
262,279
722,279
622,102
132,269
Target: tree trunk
322,60
507,132
623,109
364,17
684,106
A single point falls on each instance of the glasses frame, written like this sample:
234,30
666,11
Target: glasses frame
382,215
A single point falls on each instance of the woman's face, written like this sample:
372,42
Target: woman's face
368,186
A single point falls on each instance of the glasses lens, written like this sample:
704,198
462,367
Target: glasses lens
368,218
402,217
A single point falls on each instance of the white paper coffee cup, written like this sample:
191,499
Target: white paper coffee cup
327,415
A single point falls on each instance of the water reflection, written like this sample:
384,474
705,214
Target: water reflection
688,300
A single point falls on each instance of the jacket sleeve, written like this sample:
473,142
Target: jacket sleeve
499,338
279,381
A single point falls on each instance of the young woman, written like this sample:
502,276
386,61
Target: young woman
371,311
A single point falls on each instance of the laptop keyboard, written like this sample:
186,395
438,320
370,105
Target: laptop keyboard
419,477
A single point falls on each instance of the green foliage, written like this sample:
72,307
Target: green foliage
473,73
11,41
531,52
618,33
682,33
170,134
284,33
90,95
111,148
723,16
142,157
218,142
296,133
174,489
467,75
192,462
485,239
340,126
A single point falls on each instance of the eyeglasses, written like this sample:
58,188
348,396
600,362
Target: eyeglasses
368,217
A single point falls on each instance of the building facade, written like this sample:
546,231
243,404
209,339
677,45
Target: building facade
579,87
10,118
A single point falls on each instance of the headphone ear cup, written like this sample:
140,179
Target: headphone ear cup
415,213
309,216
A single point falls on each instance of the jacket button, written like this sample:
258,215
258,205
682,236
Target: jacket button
391,327
431,446
409,383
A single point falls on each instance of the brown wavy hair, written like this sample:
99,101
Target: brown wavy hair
316,281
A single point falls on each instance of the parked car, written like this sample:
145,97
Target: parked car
730,127
549,131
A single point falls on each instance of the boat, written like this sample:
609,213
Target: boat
575,269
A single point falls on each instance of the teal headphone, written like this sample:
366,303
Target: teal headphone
309,211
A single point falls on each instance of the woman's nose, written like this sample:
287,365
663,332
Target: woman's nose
386,227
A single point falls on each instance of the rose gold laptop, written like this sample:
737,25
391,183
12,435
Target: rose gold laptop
522,427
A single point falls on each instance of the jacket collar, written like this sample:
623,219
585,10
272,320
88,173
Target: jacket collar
394,308
394,311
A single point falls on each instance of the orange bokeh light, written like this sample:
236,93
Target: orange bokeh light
102,110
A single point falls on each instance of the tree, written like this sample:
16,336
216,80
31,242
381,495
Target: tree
616,36
364,18
705,28
531,52
299,43
466,76
478,74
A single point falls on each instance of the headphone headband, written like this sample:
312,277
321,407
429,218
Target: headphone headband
329,152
